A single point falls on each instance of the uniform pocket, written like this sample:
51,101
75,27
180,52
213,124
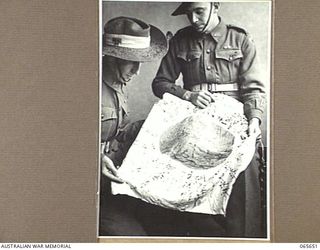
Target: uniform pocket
190,62
109,123
108,113
189,56
229,54
228,62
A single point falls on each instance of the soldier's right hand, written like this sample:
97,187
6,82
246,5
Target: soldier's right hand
108,169
200,99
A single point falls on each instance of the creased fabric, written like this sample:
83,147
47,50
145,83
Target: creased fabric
160,179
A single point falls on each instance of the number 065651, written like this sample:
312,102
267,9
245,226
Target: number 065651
309,245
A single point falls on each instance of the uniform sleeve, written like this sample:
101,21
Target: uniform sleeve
129,131
251,85
168,73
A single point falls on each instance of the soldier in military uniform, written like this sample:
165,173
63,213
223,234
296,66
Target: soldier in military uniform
215,57
126,43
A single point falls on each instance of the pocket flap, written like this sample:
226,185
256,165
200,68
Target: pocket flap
229,54
189,55
108,113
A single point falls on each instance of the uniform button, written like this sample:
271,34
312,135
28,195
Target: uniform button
230,57
225,47
208,51
102,116
208,67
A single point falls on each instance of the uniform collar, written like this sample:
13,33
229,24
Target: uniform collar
119,90
220,31
109,79
116,86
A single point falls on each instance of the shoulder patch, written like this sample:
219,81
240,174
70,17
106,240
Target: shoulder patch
239,29
231,26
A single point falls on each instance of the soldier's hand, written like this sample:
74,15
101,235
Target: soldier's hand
200,99
254,128
108,169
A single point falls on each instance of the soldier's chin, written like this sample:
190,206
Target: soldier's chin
198,28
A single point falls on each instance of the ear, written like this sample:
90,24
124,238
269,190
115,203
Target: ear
216,7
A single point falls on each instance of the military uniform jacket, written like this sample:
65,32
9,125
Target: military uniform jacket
113,109
116,129
227,55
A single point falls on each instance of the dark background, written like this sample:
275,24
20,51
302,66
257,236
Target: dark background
49,121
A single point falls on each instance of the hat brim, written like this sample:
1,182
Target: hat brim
181,10
158,48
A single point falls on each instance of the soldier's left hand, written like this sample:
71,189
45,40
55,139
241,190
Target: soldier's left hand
254,128
108,169
200,98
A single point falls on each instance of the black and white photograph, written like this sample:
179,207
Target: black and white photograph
185,119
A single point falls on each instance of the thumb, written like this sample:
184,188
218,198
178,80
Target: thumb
109,165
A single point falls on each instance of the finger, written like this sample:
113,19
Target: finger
254,132
111,176
204,101
259,134
200,104
212,97
208,94
103,147
205,95
250,130
259,137
109,165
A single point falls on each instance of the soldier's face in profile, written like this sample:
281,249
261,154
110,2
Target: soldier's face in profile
198,14
127,70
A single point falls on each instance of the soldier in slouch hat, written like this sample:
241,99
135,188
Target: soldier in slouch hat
127,42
